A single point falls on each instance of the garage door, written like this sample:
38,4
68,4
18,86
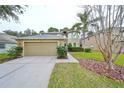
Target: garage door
40,49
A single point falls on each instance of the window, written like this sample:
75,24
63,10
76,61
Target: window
2,46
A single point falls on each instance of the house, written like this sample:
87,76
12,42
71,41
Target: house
41,45
6,42
91,42
74,37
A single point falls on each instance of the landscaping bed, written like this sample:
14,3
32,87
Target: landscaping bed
5,57
14,52
73,75
100,68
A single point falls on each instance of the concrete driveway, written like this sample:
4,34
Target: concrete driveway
27,72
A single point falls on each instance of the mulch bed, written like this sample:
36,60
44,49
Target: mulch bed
100,68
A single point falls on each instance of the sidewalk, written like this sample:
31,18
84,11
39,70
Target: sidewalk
70,59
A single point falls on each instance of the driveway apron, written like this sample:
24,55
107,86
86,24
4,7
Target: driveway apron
27,72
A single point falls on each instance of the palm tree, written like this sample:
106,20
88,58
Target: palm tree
89,34
85,23
76,28
65,31
41,32
8,12
52,29
84,18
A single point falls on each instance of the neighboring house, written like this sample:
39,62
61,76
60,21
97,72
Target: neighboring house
73,37
6,42
74,40
90,41
41,45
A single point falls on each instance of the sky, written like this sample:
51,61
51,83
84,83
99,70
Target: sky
41,17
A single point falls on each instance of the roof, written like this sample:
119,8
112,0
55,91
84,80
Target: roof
4,38
43,36
54,33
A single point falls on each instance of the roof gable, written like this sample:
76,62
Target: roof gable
4,38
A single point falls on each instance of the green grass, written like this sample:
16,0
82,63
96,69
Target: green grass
97,56
5,56
72,75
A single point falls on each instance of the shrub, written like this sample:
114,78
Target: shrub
15,51
69,45
64,44
61,52
74,44
75,49
87,50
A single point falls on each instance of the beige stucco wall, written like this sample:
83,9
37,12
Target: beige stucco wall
91,42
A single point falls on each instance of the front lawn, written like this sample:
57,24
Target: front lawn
5,56
97,56
72,75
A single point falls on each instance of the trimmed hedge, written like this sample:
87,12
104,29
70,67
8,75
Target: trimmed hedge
69,45
75,49
87,50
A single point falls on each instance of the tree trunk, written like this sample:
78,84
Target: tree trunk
110,65
80,42
83,39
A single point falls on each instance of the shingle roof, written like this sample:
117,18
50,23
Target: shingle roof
4,38
43,36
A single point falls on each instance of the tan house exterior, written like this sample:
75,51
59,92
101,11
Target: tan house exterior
90,42
74,40
40,45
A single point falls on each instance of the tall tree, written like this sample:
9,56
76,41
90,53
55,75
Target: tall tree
8,12
65,31
10,32
76,30
28,32
52,29
34,32
85,21
109,32
41,32
90,33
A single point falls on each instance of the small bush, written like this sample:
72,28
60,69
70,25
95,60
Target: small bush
69,45
15,51
87,50
61,52
74,44
64,44
75,49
